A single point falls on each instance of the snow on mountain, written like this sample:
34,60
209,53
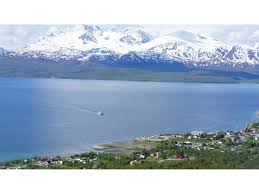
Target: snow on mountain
86,37
2,51
89,42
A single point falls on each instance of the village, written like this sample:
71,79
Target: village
161,151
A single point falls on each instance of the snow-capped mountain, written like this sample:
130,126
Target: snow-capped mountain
3,51
86,38
106,45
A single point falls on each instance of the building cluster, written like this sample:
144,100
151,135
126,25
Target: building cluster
197,140
200,140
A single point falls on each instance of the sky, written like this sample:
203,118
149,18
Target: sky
17,36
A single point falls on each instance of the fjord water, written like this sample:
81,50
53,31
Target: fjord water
57,116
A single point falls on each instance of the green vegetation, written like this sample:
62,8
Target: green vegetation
213,150
255,125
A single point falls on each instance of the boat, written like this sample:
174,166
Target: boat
100,113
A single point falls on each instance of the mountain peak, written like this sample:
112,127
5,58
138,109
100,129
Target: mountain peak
145,36
2,51
190,36
91,28
135,37
88,41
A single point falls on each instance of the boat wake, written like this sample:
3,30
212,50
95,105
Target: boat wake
99,113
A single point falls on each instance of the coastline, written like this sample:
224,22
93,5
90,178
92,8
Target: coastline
195,140
139,80
71,149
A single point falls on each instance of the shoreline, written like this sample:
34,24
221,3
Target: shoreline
136,80
147,149
126,145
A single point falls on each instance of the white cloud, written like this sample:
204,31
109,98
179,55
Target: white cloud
53,29
255,34
16,36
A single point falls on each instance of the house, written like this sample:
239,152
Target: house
197,145
187,144
156,154
197,133
43,163
142,156
231,133
234,138
84,158
58,162
179,144
43,159
134,162
228,134
179,156
172,136
92,158
242,137
69,160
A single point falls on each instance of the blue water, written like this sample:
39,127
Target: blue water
58,116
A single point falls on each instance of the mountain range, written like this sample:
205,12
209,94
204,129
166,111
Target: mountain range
88,49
